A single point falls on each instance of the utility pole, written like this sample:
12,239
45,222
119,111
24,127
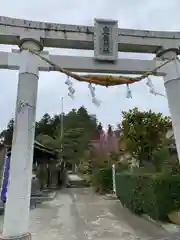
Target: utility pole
61,135
62,128
61,138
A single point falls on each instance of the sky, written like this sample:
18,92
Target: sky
134,14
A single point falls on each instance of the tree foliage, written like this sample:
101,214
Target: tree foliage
79,128
143,132
140,133
7,134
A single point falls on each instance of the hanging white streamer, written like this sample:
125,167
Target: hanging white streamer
71,96
152,88
96,101
128,93
71,90
92,90
68,82
93,95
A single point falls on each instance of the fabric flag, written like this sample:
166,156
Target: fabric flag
5,178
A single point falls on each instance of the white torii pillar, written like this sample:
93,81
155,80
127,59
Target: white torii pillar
16,219
172,86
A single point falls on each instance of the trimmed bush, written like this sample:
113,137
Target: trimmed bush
154,194
121,167
102,179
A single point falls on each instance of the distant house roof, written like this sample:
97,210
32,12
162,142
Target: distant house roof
40,147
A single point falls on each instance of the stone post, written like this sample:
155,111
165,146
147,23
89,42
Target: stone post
172,86
16,219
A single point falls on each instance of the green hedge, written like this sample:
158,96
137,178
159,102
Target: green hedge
154,194
102,179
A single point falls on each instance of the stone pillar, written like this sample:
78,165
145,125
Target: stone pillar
16,219
172,86
54,176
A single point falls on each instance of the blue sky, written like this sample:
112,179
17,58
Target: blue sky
136,14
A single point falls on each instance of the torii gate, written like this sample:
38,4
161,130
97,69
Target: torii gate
36,35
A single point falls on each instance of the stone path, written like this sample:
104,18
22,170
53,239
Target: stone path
74,177
78,213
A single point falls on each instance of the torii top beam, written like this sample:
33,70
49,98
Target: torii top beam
81,37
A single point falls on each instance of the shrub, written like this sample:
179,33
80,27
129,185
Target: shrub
102,179
154,194
121,167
